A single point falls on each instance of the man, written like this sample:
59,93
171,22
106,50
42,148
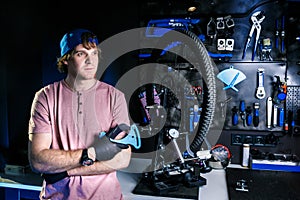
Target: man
66,119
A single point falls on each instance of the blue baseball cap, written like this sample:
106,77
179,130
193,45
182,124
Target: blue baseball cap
73,38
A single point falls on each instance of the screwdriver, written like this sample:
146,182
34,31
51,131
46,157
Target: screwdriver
256,114
281,117
235,117
248,115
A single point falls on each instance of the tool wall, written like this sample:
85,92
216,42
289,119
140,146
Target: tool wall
277,53
245,93
255,46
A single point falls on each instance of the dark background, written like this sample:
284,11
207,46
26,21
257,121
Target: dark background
31,31
30,36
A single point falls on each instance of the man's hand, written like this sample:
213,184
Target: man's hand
114,133
105,149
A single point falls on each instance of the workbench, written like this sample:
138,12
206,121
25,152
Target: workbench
220,184
28,186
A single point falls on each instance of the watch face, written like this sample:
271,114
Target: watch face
87,162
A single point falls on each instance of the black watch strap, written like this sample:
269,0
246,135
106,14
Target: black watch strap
85,160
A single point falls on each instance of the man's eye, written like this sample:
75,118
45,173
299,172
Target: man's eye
79,54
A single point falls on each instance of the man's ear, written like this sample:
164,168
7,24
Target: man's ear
65,62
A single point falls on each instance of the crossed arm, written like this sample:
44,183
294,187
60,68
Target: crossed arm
45,160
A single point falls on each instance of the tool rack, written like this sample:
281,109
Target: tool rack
280,27
225,31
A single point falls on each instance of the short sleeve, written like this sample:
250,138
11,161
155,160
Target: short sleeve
39,121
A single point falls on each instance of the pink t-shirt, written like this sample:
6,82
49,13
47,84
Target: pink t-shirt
73,119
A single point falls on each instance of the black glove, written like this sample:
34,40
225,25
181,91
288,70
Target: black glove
53,178
113,132
105,149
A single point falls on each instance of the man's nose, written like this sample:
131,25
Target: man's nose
88,60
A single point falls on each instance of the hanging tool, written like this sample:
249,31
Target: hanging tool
277,34
235,117
211,28
260,91
280,91
282,34
256,18
231,77
256,114
291,122
281,117
275,114
265,47
248,116
269,111
243,112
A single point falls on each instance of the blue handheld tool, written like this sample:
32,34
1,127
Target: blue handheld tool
281,117
133,138
243,112
256,114
248,115
235,116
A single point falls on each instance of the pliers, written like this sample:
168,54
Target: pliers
256,18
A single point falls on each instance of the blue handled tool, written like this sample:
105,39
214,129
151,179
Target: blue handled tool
243,112
235,117
282,34
256,114
248,116
281,117
133,138
256,18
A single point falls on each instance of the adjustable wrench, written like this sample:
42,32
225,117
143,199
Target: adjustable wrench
256,18
260,91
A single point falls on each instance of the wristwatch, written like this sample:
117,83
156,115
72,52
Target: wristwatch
85,160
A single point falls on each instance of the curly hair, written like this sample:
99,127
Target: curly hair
87,42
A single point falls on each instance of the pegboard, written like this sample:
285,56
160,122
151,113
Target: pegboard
293,101
247,89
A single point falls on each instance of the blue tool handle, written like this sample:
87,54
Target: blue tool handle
256,112
276,34
256,117
249,119
242,106
282,33
235,119
281,117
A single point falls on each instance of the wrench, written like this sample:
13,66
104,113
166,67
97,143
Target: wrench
260,91
256,18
